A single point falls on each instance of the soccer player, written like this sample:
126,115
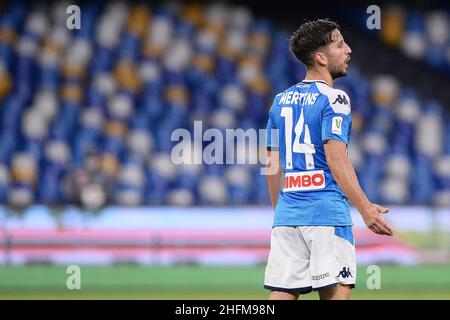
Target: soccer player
312,246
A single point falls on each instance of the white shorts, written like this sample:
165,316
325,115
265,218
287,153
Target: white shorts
310,258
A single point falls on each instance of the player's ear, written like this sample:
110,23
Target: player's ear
321,58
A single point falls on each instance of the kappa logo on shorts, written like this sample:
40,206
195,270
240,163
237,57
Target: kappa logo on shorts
321,276
345,273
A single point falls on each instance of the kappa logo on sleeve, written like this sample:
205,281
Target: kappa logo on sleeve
336,126
341,100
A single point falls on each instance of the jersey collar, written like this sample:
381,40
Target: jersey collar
307,81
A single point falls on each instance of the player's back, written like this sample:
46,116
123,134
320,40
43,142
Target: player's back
307,115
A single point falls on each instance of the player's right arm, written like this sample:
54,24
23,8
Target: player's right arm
274,176
273,169
345,176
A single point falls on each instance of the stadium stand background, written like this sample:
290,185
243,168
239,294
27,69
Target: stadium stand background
87,115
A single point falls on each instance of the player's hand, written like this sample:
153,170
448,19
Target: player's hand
374,220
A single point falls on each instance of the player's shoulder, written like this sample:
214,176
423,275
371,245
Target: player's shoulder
277,99
284,92
338,99
280,97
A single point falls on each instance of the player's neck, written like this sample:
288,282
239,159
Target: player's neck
315,74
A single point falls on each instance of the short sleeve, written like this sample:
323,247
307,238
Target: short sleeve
272,134
337,119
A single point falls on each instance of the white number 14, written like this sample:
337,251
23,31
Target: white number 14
306,147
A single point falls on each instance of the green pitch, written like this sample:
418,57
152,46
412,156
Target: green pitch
202,282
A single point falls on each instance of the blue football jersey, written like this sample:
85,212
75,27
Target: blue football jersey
301,120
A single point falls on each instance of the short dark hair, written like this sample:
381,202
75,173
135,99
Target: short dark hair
310,36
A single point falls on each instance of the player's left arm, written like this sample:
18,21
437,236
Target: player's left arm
336,129
346,178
